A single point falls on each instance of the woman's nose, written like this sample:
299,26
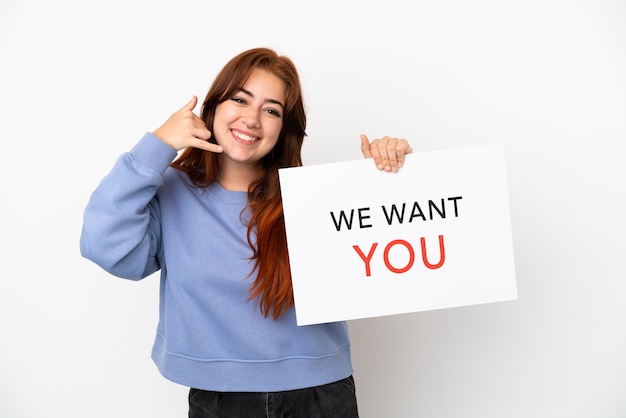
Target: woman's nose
251,119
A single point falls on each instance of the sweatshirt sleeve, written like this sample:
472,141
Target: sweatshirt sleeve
121,224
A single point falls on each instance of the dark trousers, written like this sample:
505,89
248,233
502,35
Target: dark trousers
334,400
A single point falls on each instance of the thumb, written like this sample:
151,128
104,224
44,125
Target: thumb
190,105
365,146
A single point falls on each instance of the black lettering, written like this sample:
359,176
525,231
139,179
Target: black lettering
362,217
456,210
394,210
417,211
442,212
343,218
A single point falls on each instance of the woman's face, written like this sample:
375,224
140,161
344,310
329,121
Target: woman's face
248,124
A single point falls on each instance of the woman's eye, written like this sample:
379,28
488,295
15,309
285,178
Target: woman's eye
273,112
238,100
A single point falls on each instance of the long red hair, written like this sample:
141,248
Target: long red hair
266,229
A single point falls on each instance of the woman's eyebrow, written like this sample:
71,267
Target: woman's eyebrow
249,93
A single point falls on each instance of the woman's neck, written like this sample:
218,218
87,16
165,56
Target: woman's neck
237,177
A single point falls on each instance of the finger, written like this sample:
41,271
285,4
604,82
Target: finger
201,132
191,105
384,154
365,146
402,148
392,156
207,146
375,154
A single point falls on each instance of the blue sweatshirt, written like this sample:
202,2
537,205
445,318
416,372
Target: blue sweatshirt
146,216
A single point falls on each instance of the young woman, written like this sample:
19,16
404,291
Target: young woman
210,219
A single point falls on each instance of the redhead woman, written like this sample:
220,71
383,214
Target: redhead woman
209,218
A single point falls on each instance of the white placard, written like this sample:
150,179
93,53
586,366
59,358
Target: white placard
366,243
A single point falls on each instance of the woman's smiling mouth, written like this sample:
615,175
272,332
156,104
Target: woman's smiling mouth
243,137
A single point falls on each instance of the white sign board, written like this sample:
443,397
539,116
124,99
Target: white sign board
366,243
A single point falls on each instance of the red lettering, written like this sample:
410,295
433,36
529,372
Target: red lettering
366,260
411,256
442,254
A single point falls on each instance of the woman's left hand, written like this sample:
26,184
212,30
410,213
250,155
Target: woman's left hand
388,153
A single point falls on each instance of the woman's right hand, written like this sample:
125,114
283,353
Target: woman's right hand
184,129
388,153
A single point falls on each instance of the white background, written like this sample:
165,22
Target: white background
81,81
